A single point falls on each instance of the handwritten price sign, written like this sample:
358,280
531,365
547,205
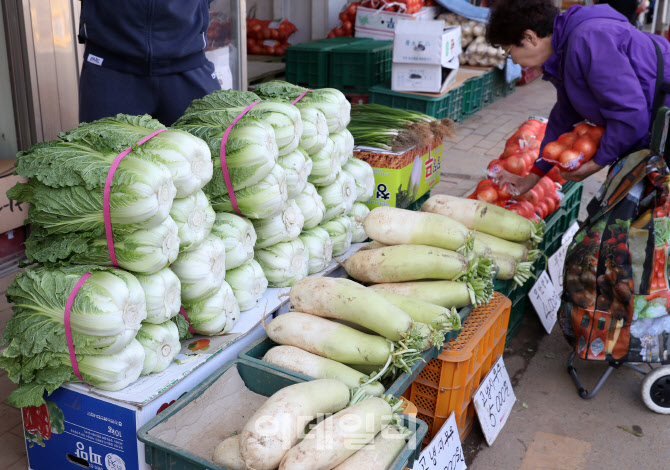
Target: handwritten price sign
444,452
555,267
494,400
546,301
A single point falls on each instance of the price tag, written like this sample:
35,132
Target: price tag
546,301
555,267
570,233
444,452
494,400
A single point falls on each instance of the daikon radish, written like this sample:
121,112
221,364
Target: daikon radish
347,300
498,246
380,453
406,263
338,342
227,454
510,268
338,437
393,226
372,245
485,217
278,424
448,294
311,365
425,312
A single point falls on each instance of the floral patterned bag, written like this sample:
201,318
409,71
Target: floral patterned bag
616,278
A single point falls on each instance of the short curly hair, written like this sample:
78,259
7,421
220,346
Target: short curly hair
510,18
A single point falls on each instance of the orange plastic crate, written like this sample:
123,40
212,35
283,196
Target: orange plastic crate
448,383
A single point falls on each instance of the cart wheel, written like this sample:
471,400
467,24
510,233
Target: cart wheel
656,390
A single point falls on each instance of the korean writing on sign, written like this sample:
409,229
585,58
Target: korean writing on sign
445,451
494,400
555,267
12,206
546,301
570,233
430,167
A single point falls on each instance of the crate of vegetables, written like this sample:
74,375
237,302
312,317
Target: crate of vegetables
234,432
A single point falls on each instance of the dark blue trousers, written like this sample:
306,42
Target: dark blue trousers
106,92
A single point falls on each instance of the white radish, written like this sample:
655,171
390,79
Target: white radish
406,263
343,344
425,312
378,454
347,300
227,454
311,365
393,226
484,217
510,268
497,245
328,339
338,437
448,294
278,424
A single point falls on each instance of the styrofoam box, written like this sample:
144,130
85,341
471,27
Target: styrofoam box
428,42
380,24
424,78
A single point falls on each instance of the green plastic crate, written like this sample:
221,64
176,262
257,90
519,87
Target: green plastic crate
509,88
489,87
472,96
456,103
437,106
259,379
515,319
358,67
307,64
572,200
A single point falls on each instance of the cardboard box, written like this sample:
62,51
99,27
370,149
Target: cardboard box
428,42
12,213
423,78
97,429
402,178
380,24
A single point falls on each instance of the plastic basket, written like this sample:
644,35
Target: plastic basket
307,64
259,379
447,383
358,67
255,351
489,94
472,95
437,106
572,200
516,315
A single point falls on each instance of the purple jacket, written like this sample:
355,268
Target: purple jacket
604,71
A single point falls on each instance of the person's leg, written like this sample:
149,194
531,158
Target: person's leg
177,91
105,92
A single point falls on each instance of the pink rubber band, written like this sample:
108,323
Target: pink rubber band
300,97
222,156
66,322
106,212
183,312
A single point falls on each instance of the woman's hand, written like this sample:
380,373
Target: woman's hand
522,183
587,169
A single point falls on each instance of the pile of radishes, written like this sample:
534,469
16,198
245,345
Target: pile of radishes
320,425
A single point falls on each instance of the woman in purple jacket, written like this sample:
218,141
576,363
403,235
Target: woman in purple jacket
604,71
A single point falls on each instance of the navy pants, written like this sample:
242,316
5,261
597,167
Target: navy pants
105,92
